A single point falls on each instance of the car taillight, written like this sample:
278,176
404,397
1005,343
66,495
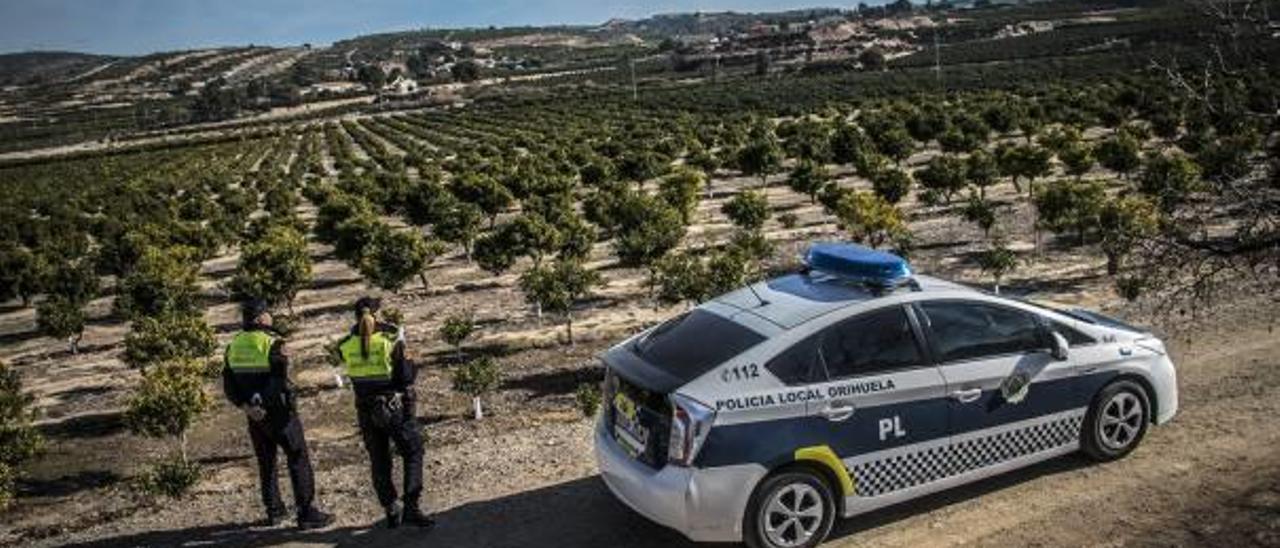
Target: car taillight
690,423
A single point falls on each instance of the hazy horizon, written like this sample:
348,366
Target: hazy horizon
139,27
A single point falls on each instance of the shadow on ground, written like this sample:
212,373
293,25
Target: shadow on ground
578,513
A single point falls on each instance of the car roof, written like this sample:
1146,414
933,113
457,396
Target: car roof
795,299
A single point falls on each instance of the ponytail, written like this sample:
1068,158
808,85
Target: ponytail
366,327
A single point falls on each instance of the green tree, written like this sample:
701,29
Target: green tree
168,337
61,318
273,267
19,440
465,71
397,256
456,329
895,143
944,175
808,178
169,400
998,261
1023,161
849,144
1120,153
1169,179
1071,205
491,196
680,191
981,212
1077,159
1122,223
761,157
981,170
647,230
559,287
749,210
892,184
460,224
162,282
872,59
477,378
870,219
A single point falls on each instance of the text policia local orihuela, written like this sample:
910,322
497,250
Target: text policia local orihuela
804,395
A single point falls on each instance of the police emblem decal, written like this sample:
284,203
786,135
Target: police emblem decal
1015,387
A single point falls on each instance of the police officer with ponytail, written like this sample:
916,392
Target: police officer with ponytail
374,357
255,379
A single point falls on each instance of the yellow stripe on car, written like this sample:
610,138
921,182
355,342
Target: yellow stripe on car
824,456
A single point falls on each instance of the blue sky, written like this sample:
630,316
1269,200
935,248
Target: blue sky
143,26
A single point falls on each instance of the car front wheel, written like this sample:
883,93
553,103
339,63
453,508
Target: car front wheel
792,509
1116,422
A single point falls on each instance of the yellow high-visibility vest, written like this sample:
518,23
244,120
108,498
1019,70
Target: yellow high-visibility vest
375,366
250,352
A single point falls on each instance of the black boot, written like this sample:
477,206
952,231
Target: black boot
314,519
275,516
417,518
394,515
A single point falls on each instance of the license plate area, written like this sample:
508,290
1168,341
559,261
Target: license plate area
627,429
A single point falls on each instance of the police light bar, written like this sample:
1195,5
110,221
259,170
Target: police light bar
858,264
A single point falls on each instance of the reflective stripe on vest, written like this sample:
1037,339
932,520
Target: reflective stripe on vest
376,366
250,351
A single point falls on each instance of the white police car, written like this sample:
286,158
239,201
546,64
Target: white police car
763,414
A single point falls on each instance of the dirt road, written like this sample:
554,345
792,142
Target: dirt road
1211,478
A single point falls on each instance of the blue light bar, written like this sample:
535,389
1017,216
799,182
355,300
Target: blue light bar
858,264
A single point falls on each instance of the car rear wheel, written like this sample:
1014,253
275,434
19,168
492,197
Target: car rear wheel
1116,422
792,509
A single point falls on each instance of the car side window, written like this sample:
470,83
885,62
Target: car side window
1074,336
880,340
966,330
798,364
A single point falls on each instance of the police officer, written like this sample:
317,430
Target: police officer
256,379
373,355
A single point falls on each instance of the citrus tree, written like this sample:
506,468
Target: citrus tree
168,401
273,267
558,287
477,378
19,440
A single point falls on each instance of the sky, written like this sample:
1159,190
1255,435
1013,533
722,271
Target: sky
131,27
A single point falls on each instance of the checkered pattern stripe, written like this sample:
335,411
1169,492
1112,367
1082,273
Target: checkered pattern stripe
913,468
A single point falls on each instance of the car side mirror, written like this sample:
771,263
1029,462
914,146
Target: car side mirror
1059,346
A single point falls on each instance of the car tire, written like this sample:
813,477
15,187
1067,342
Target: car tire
781,511
1116,422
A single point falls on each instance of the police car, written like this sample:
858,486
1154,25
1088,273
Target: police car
763,414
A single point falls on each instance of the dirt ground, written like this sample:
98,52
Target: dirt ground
524,476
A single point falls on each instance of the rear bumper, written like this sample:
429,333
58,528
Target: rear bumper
705,505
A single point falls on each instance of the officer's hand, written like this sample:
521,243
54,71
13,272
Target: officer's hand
256,413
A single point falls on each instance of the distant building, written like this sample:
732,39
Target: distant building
401,86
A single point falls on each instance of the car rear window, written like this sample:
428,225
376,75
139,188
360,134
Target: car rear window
691,344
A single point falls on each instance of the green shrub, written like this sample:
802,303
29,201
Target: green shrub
477,378
455,331
172,476
588,398
788,220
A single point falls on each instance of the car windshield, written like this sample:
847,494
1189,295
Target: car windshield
690,344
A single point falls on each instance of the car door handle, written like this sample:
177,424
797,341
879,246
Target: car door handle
837,412
967,396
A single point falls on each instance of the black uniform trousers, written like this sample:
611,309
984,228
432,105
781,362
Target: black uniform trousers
380,429
282,429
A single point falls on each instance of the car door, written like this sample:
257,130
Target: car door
985,352
881,395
